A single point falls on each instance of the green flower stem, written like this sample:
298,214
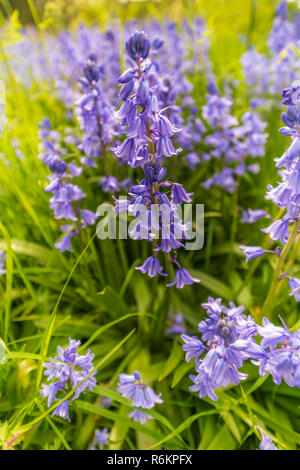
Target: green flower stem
269,304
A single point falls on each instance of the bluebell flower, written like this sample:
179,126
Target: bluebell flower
64,244
138,46
266,441
179,194
182,278
291,95
61,410
152,267
157,43
88,217
140,416
251,216
126,90
252,252
127,151
165,127
224,179
272,335
193,347
294,284
282,354
68,370
278,230
101,439
166,148
131,386
110,184
269,73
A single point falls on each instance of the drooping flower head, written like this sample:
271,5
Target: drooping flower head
266,441
131,386
287,192
148,133
227,338
68,371
67,196
229,143
282,353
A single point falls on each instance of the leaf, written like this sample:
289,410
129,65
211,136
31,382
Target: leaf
96,410
106,327
9,281
26,355
183,426
283,418
223,440
174,359
181,371
128,277
112,302
48,332
213,284
231,424
27,248
103,391
54,427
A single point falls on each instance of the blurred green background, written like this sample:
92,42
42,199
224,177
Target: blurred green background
247,21
232,25
238,14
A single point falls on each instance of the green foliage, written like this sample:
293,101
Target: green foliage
46,297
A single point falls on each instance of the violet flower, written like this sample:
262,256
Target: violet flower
68,370
143,397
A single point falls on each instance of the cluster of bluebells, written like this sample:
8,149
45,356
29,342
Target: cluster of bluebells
66,199
143,397
60,58
282,353
66,372
227,341
94,113
286,194
266,74
229,143
229,338
170,73
148,141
